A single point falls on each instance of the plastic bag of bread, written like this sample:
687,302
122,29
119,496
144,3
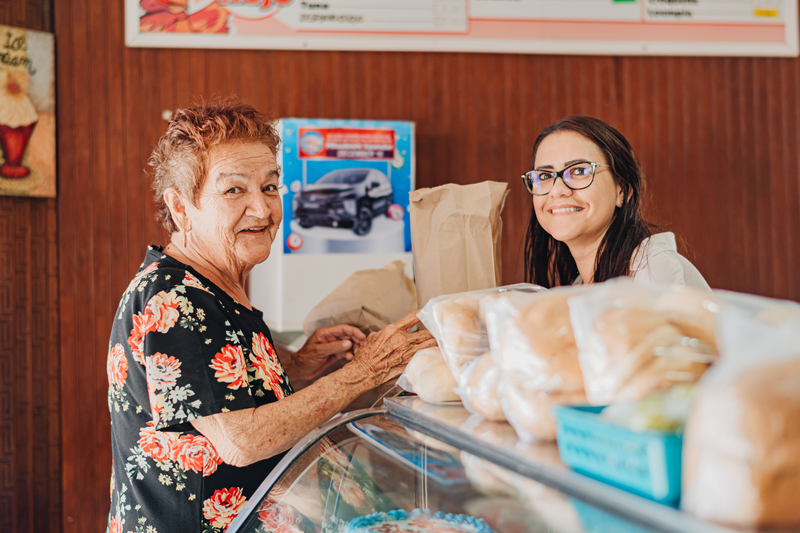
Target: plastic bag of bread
637,338
480,391
537,360
456,324
427,376
741,454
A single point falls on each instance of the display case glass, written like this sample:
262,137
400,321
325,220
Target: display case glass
375,462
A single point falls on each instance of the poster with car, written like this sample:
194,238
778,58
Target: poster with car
347,186
345,208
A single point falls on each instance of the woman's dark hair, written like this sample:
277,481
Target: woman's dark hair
548,262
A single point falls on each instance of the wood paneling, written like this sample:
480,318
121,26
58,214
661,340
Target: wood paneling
30,442
718,139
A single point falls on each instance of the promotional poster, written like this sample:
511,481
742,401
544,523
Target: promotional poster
347,185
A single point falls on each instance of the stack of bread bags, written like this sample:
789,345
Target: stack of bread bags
458,326
741,455
534,350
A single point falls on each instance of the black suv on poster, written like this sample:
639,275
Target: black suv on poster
347,198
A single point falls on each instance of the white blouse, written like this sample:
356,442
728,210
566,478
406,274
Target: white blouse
657,260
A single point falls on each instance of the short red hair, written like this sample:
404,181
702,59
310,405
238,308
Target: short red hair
180,158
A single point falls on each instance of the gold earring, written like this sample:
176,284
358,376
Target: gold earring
185,232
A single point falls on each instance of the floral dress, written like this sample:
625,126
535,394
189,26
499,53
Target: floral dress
181,349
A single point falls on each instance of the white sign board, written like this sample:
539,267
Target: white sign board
616,27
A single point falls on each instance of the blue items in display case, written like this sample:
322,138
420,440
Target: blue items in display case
646,463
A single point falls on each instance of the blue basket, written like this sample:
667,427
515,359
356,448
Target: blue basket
646,463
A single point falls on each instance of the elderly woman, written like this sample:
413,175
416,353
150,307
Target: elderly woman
201,406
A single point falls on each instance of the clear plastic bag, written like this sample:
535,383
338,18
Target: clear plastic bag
456,323
637,338
427,376
741,454
480,392
536,357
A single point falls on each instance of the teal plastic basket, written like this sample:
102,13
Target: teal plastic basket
646,463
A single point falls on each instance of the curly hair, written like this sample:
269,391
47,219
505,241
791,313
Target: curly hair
180,158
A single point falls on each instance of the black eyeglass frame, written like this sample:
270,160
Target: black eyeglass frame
527,178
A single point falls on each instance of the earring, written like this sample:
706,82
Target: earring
185,232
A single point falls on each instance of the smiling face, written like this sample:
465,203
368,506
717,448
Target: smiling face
577,218
238,208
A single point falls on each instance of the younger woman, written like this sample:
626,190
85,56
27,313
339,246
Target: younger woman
586,222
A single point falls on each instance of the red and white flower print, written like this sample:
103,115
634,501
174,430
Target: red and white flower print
143,323
164,308
223,506
230,366
115,525
135,281
159,445
196,453
190,280
163,371
277,517
156,403
117,366
265,361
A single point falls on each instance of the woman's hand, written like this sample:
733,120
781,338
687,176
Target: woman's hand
325,347
245,436
385,354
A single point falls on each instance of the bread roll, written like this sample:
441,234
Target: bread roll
530,411
637,352
539,364
482,389
463,335
742,449
777,314
429,377
692,311
547,326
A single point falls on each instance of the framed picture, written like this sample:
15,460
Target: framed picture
27,113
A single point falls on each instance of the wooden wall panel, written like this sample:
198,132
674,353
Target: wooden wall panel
30,443
718,139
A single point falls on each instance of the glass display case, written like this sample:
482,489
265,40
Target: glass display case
413,455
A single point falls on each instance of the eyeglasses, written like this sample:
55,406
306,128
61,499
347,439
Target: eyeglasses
575,177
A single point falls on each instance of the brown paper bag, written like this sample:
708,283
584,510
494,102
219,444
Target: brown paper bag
369,300
455,235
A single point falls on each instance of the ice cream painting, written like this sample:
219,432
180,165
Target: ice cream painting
27,113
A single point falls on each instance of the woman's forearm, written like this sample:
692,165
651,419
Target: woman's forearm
246,436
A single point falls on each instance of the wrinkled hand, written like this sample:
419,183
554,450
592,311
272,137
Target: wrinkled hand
385,354
326,346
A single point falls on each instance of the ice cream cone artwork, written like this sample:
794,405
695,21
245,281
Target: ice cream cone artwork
27,113
18,118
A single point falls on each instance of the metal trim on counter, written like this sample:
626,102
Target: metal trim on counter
295,452
606,497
